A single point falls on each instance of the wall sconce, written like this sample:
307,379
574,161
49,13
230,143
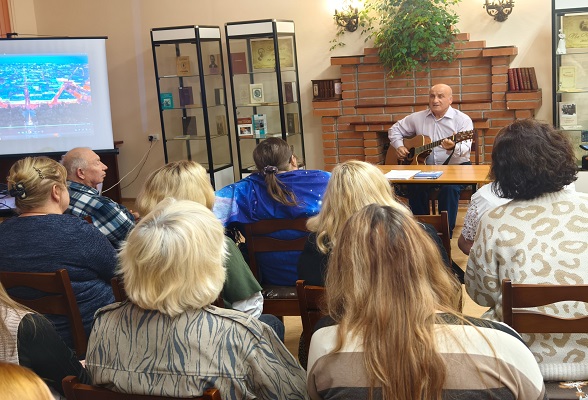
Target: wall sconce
347,18
499,9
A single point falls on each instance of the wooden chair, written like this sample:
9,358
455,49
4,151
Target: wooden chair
517,297
441,223
278,300
310,301
74,390
59,299
118,289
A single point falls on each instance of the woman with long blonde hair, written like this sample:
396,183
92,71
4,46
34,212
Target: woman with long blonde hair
353,185
18,383
398,333
28,339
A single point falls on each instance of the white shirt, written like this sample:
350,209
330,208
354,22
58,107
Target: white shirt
424,123
483,200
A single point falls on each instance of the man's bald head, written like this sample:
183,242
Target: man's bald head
440,98
84,166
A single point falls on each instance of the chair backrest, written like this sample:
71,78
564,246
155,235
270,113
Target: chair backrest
310,300
58,299
118,289
74,390
441,224
517,297
257,240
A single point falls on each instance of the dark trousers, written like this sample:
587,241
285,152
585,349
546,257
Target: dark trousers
419,199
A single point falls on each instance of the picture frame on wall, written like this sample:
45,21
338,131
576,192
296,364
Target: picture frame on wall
263,57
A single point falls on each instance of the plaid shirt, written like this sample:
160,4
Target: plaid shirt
111,218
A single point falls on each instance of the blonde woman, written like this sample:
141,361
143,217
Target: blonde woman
43,239
353,185
30,340
18,383
167,340
188,180
398,334
278,190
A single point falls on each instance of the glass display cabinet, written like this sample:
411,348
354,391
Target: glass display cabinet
265,89
570,71
192,98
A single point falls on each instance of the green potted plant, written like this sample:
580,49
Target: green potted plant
409,34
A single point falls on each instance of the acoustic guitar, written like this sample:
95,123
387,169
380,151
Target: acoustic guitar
419,147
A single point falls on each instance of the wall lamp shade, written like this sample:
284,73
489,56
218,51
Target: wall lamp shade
499,9
347,18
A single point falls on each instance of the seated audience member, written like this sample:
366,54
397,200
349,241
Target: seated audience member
353,185
188,180
28,339
538,237
43,239
415,344
278,190
85,172
483,200
168,320
19,383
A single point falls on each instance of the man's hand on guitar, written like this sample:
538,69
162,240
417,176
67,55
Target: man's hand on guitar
448,144
402,152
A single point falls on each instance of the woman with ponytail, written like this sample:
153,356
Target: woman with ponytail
278,190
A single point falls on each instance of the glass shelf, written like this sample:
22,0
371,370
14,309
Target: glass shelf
267,135
195,137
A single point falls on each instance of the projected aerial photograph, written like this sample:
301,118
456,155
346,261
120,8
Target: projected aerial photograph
44,96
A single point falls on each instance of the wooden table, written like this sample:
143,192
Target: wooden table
452,174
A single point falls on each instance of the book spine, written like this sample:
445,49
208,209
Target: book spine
526,80
519,79
533,76
511,80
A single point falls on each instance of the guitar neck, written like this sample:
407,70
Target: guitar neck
455,138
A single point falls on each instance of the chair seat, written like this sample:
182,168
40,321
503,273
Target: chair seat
279,292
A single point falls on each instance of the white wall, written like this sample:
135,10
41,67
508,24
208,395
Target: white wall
132,83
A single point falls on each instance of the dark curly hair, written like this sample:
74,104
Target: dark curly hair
531,158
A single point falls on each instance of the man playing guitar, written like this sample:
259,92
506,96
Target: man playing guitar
438,122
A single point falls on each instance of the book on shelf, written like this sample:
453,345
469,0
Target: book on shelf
186,96
244,126
166,100
221,125
567,78
256,93
239,63
519,75
290,93
533,77
568,117
398,174
512,82
259,124
526,79
428,175
214,64
292,123
189,126
219,96
183,67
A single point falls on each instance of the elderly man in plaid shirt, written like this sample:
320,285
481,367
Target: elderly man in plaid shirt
85,172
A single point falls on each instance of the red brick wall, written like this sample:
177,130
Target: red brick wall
356,126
